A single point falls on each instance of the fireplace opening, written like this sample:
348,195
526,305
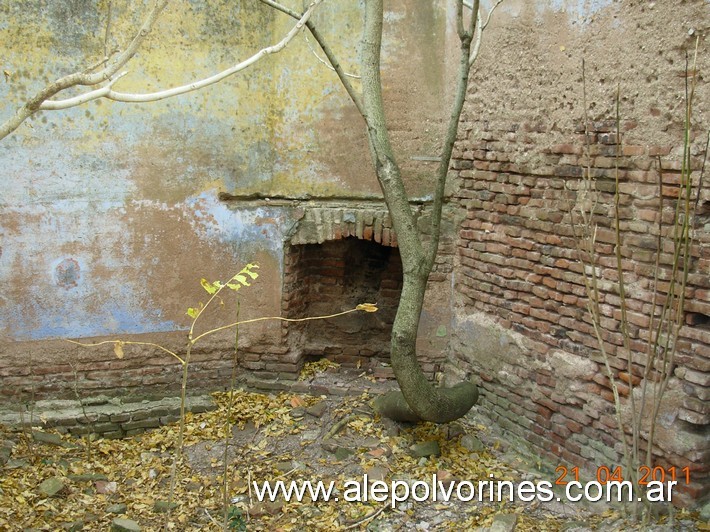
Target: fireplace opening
327,278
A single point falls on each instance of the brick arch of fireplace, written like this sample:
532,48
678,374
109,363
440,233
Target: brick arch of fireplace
335,260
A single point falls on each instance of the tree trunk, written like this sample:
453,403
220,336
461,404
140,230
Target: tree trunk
418,399
424,401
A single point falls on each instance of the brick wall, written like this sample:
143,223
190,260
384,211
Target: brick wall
521,323
338,275
518,267
144,372
268,350
341,255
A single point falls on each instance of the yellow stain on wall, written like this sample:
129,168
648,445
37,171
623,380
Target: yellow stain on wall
284,125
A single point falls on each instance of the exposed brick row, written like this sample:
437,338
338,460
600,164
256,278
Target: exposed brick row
518,261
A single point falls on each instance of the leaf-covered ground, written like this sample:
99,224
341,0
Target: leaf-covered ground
74,485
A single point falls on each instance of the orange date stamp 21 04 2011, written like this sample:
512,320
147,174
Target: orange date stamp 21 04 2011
607,474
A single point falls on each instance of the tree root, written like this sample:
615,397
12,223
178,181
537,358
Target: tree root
394,406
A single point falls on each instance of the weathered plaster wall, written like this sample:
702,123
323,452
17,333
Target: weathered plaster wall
522,323
111,213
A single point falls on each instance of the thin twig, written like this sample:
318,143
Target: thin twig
340,425
683,238
625,335
355,96
92,430
368,517
228,424
586,248
652,340
278,318
480,27
126,342
323,61
210,517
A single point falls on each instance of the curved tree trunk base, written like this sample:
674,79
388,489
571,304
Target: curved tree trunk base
393,405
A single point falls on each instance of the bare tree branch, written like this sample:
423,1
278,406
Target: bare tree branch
466,37
342,75
459,19
55,105
469,55
480,26
108,93
107,32
83,78
326,63
383,157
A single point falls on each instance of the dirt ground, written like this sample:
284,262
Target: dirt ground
471,449
289,437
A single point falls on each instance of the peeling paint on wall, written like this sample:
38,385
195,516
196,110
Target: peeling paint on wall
109,213
85,269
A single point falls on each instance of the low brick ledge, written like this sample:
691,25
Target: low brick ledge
107,417
111,417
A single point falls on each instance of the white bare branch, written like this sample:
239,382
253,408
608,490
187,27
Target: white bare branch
480,26
326,63
108,93
54,105
41,100
84,78
342,75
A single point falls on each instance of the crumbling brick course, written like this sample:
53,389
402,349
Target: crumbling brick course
518,263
